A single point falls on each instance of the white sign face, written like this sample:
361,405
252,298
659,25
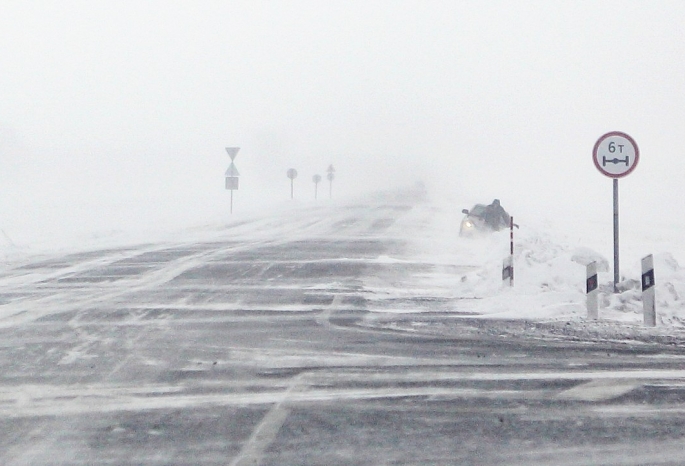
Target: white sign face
232,170
615,154
232,152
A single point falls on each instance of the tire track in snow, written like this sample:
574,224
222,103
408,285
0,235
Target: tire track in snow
319,386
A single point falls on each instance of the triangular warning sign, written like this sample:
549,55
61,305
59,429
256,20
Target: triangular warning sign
232,152
232,170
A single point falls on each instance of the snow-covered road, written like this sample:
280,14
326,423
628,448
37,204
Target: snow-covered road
331,334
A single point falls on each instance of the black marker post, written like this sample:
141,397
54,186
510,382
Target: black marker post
592,290
648,293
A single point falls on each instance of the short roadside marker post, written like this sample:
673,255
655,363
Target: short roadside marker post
508,271
511,237
648,292
508,264
592,291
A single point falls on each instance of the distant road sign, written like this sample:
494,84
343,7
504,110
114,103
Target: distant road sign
232,152
292,174
232,182
615,154
232,170
316,179
330,176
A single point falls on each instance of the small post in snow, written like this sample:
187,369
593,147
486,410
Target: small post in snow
508,263
648,292
508,271
592,291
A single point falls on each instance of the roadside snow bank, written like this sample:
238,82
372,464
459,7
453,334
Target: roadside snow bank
549,282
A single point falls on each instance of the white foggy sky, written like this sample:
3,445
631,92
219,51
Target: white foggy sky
117,113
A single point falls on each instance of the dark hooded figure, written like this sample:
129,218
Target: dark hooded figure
495,216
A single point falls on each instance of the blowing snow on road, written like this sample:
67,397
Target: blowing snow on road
360,332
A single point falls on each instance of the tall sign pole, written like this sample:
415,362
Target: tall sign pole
316,179
330,176
232,175
616,155
616,248
292,174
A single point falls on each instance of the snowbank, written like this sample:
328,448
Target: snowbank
550,282
550,255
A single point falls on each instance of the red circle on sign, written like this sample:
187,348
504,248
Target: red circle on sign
622,135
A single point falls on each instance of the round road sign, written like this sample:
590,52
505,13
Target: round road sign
615,154
292,173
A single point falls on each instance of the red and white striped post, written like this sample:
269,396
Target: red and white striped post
511,248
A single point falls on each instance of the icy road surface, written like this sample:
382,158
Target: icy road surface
330,335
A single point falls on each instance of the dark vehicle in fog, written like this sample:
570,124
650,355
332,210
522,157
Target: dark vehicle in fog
484,219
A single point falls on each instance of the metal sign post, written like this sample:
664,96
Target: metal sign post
330,176
615,155
316,179
232,175
292,174
617,278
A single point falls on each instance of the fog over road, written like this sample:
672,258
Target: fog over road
324,335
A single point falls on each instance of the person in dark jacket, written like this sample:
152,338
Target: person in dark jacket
495,216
